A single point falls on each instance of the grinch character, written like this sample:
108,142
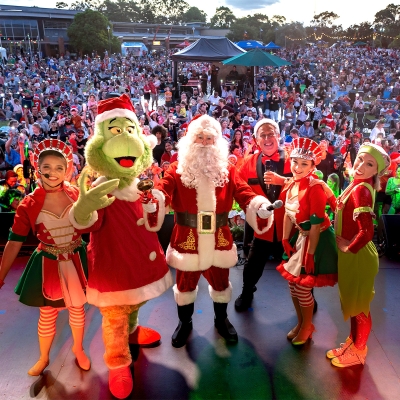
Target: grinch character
126,263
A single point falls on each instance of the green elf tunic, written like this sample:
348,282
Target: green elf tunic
357,268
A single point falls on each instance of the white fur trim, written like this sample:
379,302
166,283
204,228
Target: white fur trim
266,121
161,211
115,113
190,262
184,298
130,193
223,296
151,140
91,222
131,296
251,214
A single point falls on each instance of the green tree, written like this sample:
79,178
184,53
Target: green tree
324,19
390,15
223,17
253,27
278,20
162,11
194,15
61,4
395,44
121,10
88,32
87,5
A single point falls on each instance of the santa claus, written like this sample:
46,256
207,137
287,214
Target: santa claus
200,187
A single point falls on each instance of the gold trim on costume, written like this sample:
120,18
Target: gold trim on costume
222,242
190,243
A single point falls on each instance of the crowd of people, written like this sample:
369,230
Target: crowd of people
337,94
289,141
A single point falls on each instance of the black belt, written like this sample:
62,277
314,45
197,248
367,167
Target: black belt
190,220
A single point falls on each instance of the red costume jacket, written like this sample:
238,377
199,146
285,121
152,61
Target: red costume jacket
192,251
126,262
248,172
358,227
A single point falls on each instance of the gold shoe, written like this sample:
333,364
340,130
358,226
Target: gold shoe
303,335
38,368
340,350
293,333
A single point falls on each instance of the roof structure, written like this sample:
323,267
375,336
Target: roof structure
204,49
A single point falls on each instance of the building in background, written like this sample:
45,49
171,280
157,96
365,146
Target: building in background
44,30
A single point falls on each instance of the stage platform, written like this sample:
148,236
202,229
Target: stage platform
263,365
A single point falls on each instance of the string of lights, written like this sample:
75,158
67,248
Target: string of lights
372,35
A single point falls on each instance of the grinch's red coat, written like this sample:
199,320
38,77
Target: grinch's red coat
190,251
126,262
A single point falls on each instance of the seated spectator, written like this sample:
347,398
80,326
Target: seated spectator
168,152
307,130
9,182
10,200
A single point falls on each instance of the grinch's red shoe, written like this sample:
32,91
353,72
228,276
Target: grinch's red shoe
120,382
145,337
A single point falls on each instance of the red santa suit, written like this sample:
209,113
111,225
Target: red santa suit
191,251
328,121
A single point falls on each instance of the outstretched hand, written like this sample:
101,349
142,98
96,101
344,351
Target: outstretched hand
93,199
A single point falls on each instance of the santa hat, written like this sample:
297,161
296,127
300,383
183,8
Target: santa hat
115,107
266,121
204,124
393,156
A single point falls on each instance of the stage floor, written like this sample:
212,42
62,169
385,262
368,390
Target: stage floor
263,365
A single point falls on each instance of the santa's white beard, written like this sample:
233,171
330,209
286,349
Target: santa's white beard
197,161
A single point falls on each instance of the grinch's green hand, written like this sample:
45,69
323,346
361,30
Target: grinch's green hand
93,199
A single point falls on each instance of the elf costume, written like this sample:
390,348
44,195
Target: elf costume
56,273
126,263
358,264
310,257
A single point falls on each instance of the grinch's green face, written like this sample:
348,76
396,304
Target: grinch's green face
119,150
122,142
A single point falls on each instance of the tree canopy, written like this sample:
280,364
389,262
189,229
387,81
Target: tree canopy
88,32
385,26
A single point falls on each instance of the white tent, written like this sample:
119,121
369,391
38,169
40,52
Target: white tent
135,48
3,53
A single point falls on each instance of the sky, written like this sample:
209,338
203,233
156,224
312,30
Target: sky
350,11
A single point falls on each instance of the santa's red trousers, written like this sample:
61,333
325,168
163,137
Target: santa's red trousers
218,278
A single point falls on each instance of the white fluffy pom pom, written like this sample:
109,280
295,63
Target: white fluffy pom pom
151,140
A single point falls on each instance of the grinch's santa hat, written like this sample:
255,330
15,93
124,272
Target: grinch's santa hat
115,107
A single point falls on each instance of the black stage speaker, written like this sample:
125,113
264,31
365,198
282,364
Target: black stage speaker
389,235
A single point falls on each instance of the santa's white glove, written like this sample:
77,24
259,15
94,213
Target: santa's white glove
150,207
263,213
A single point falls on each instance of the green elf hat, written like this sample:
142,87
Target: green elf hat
379,154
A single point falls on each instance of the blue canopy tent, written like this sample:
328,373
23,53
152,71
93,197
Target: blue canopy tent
271,46
250,44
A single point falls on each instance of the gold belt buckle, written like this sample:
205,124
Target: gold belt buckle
206,222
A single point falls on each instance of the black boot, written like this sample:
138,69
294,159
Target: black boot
185,325
243,302
222,323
